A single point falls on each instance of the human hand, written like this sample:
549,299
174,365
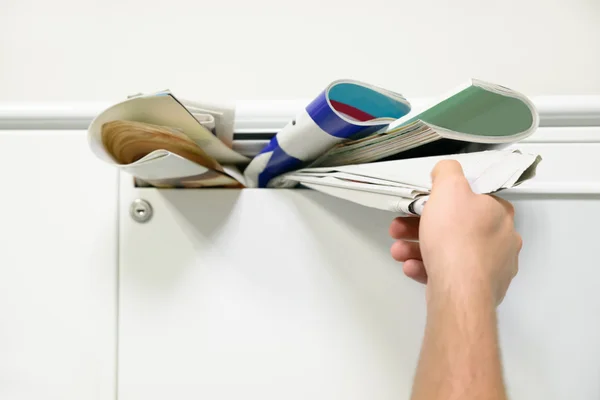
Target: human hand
463,243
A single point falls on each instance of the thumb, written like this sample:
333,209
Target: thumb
449,171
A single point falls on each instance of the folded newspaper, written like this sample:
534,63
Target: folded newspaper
403,186
355,141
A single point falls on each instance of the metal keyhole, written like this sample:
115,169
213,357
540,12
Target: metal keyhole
140,210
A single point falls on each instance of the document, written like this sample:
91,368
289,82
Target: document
403,186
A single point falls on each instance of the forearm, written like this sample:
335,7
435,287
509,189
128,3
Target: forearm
460,357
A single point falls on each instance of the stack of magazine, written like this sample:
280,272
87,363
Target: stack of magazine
354,141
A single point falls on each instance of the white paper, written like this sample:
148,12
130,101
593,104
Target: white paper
487,172
385,202
215,116
162,164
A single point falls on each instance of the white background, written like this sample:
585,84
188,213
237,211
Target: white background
76,50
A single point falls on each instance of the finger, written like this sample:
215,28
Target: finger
415,269
516,267
510,209
446,168
405,228
449,170
402,250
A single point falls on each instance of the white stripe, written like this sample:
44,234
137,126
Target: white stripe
304,139
258,165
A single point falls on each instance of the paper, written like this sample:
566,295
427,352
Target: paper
479,116
338,143
345,110
165,110
160,142
218,118
162,156
402,186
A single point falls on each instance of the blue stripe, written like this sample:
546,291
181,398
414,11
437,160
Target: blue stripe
279,163
272,145
326,118
365,99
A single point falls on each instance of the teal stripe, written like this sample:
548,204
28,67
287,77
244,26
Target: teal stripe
368,100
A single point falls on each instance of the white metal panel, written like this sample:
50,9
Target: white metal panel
271,294
58,272
262,294
550,319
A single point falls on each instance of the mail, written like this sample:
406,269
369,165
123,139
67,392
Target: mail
403,186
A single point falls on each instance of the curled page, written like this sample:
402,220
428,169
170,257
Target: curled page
162,156
163,142
345,110
163,109
477,116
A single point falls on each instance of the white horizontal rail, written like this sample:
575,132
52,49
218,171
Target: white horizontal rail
554,188
270,116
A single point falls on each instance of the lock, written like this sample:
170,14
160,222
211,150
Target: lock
140,210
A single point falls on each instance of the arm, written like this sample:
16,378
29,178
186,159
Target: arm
460,355
465,249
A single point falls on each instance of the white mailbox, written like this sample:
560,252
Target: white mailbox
267,294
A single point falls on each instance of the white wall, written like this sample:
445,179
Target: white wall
77,50
58,269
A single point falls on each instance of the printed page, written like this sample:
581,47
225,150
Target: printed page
479,113
162,156
164,110
345,110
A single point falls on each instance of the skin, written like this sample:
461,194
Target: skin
465,249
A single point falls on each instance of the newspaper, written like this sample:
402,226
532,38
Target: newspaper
403,186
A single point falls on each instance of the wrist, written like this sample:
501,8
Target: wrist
465,291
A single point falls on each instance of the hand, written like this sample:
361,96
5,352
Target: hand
466,242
